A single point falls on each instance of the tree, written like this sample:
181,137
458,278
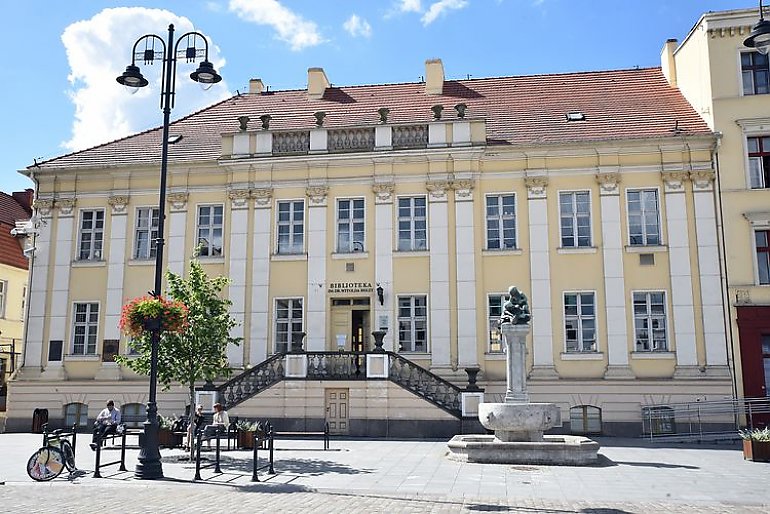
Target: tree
199,352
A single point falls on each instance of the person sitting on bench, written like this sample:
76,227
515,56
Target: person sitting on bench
220,422
106,423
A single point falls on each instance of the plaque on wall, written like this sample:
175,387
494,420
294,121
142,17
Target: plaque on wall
110,349
54,351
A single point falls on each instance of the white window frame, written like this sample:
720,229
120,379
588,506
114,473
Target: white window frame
645,236
151,230
412,219
3,297
91,328
412,319
94,253
755,249
648,315
23,316
763,185
579,317
575,217
499,220
290,321
292,224
493,320
211,227
353,246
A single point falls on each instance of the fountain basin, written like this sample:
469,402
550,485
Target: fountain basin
519,421
563,450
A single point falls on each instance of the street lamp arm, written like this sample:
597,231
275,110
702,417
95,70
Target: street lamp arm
146,60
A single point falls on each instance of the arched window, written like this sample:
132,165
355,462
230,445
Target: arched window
76,413
133,414
658,420
585,419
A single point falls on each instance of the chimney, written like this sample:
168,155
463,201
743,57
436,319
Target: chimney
434,77
316,83
24,198
256,86
667,62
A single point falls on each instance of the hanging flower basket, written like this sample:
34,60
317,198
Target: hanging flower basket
148,313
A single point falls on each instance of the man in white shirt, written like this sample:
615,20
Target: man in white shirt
106,423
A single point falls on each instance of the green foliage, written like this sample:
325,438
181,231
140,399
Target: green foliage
758,434
245,425
167,422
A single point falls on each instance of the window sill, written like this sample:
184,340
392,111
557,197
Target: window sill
494,356
416,355
411,253
72,357
141,262
646,248
88,263
577,249
350,255
219,259
653,355
582,356
509,251
288,257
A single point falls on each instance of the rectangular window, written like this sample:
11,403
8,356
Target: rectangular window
412,224
350,225
91,235
288,321
84,328
762,239
756,77
579,322
575,218
643,218
291,227
759,162
23,315
3,297
501,222
146,232
650,321
495,308
412,324
210,225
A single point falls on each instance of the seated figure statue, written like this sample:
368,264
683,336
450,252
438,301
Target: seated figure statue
516,309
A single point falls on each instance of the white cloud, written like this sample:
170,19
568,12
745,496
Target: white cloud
290,27
213,6
441,7
409,6
99,49
356,26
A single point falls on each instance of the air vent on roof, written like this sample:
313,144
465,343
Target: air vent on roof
175,138
576,116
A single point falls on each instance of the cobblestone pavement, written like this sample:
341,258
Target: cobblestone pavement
400,476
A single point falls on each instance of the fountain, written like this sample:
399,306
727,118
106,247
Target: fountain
519,424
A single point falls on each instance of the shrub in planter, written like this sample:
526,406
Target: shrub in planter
756,444
166,436
246,431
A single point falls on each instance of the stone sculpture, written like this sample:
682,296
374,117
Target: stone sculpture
516,309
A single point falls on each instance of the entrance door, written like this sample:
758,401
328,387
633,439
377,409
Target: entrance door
337,410
349,325
359,322
754,331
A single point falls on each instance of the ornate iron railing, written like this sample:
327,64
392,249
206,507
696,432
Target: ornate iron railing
286,143
425,384
336,366
252,382
410,136
351,140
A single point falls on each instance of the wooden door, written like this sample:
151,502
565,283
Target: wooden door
337,410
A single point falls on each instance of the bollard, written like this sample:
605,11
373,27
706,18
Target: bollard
198,457
216,468
270,446
123,452
254,477
97,474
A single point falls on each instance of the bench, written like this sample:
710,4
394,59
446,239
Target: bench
324,434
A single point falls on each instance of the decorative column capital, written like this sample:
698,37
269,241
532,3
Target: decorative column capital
317,195
383,193
463,190
674,181
239,198
66,206
608,183
43,206
437,190
703,180
536,187
262,197
177,201
118,204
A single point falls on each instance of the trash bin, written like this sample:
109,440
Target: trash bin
39,418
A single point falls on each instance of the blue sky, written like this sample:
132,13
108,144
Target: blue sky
58,68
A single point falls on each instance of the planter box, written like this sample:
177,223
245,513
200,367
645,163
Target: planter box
757,451
168,439
246,440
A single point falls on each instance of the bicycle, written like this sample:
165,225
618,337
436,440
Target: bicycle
48,462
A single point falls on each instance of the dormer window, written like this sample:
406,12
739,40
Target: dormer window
576,116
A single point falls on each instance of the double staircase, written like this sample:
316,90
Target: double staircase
343,366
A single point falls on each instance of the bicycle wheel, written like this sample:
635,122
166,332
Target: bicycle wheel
45,464
69,455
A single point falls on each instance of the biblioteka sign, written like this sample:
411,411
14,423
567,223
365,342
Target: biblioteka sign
350,287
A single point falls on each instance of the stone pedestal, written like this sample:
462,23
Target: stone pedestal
515,340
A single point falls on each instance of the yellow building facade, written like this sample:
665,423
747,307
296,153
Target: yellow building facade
408,208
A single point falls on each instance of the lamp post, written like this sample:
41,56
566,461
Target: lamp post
760,34
149,466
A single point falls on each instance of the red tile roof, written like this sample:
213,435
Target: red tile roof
11,251
526,110
11,210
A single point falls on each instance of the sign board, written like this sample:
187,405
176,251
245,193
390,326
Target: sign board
350,287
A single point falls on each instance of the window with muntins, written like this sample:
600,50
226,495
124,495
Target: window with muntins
762,239
501,222
580,322
210,223
91,235
412,224
76,414
3,297
350,225
759,162
650,321
643,217
288,321
291,227
412,324
85,328
495,308
146,232
755,73
575,218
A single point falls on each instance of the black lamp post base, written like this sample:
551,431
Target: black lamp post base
149,466
149,470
